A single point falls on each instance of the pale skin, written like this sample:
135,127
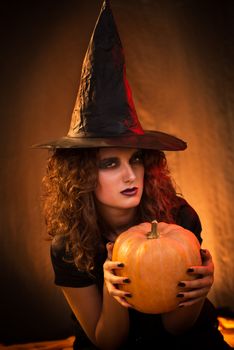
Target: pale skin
119,190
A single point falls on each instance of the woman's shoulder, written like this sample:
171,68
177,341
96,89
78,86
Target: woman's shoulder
58,246
66,273
187,217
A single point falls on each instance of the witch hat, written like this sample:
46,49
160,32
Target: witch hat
104,114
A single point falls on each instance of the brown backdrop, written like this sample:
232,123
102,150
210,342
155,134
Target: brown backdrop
179,56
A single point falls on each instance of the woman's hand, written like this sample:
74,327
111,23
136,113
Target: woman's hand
112,281
195,290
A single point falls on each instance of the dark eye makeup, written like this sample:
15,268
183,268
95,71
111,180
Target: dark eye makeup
107,163
112,162
137,157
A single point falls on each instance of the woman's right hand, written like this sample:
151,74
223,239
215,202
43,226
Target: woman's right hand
112,281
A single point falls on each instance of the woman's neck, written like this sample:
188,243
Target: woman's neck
118,220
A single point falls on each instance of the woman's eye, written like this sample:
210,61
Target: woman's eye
137,158
110,164
107,164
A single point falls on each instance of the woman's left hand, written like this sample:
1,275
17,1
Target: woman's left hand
193,291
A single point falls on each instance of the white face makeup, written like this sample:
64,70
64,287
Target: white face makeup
120,178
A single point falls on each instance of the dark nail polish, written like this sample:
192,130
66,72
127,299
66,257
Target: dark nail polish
180,295
126,280
120,265
190,270
181,284
128,295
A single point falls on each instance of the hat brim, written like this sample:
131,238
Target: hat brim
149,140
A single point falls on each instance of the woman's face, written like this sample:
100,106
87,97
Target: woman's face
120,177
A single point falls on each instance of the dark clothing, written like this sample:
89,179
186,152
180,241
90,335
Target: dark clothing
146,330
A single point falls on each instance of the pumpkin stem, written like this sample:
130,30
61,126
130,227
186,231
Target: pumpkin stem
153,233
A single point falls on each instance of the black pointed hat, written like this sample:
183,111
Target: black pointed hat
104,114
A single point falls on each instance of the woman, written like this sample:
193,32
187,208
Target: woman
105,176
91,196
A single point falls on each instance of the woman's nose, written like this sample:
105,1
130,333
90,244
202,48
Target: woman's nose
128,173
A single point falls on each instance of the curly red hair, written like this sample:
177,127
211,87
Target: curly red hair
69,204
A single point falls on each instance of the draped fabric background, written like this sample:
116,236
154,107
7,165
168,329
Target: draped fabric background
180,64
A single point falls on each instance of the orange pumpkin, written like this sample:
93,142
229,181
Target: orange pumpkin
156,257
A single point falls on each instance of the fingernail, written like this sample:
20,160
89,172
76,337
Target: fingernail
120,265
203,251
180,295
181,284
128,295
126,280
181,305
190,270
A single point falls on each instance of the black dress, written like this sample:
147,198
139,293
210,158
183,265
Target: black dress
146,330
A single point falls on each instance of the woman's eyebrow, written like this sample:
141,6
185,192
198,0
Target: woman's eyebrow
138,152
108,158
117,157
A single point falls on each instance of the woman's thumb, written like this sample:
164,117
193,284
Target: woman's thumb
109,247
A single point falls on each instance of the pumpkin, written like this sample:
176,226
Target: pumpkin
156,257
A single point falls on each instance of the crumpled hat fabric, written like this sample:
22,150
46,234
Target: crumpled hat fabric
104,114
